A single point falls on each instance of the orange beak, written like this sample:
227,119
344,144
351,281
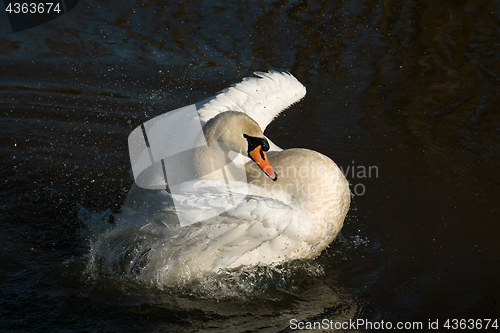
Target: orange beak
259,156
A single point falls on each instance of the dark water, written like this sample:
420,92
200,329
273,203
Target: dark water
408,90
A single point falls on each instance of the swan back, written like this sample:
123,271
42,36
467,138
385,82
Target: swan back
312,185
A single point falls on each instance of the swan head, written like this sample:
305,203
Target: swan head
243,135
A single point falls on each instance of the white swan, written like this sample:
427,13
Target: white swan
292,207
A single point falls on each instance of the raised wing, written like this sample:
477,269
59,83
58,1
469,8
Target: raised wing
262,97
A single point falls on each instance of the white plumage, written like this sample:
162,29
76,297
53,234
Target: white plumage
262,222
261,98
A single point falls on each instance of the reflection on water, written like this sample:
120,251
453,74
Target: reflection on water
410,87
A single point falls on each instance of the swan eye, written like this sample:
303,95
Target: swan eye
254,142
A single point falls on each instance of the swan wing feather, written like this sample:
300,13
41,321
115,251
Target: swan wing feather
220,240
262,97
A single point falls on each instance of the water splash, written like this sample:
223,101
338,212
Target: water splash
135,252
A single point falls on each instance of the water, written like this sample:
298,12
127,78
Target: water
408,88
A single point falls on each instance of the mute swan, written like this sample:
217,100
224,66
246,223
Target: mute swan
292,206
